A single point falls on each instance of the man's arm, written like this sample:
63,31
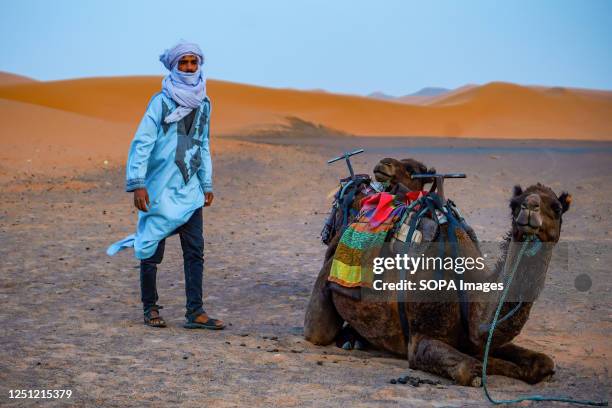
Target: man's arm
138,157
205,171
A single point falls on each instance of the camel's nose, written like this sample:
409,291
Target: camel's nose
532,202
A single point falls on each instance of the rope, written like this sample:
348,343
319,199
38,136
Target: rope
490,338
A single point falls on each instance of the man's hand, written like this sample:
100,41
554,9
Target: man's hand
208,199
141,199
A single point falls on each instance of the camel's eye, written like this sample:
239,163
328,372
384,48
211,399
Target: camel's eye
556,207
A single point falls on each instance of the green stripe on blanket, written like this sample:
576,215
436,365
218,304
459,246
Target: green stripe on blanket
359,245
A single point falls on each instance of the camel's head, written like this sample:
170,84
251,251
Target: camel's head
392,172
538,211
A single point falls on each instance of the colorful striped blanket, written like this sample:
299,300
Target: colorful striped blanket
363,240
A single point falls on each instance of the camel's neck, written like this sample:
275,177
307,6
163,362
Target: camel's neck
527,283
528,266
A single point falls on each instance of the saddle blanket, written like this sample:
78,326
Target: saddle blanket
363,239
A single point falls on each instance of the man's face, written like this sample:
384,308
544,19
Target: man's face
188,63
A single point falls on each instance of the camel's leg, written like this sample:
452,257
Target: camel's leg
532,367
435,356
331,248
322,322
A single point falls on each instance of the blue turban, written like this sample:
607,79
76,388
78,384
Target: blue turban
187,89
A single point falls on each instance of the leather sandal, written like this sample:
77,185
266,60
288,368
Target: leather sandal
152,317
210,324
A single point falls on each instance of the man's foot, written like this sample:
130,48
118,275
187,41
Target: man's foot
153,319
202,321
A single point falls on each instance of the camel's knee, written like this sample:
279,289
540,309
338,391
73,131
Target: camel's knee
437,357
316,336
321,326
321,321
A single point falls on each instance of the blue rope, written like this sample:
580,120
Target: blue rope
486,326
490,338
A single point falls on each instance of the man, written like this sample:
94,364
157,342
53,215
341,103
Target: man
169,171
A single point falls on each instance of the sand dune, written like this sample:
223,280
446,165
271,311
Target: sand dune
6,78
41,140
416,99
495,110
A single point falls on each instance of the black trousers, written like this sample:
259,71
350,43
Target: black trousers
192,243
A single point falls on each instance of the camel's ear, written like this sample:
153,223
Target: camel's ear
517,191
514,201
565,199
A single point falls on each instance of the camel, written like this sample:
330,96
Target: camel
438,341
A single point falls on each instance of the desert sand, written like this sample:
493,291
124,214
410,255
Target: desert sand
72,315
494,110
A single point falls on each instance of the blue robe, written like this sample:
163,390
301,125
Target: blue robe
174,165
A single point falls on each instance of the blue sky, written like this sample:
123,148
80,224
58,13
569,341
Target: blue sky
354,46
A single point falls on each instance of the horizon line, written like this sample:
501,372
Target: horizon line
322,90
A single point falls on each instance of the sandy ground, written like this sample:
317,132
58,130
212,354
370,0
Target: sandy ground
71,316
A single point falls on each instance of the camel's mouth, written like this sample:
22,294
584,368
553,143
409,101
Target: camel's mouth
382,172
381,176
529,219
527,228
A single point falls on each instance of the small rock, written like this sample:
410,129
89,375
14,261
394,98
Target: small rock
319,363
393,381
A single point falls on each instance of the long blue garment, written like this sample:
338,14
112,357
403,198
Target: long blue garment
174,165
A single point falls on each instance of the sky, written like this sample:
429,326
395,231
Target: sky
356,47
